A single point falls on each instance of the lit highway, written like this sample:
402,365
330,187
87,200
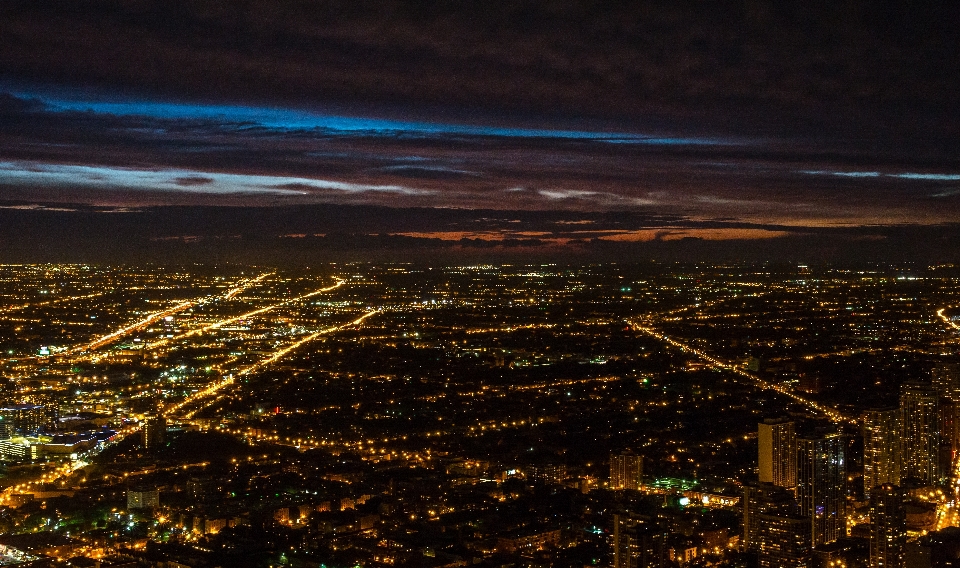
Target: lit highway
947,513
157,316
216,387
715,363
20,307
947,320
241,317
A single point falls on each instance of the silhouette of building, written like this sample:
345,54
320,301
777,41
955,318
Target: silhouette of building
638,542
25,419
763,498
143,499
784,541
945,379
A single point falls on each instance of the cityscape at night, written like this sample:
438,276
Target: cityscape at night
446,284
650,414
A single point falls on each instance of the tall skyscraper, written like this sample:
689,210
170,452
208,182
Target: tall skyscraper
919,416
626,471
881,447
777,442
945,379
821,485
888,527
638,542
949,428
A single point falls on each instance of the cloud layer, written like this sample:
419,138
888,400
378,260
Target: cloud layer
124,152
837,61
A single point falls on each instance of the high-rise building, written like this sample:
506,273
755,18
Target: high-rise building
773,529
143,498
919,417
26,419
154,432
784,541
821,485
638,542
626,471
760,499
881,447
945,378
777,443
546,473
888,527
949,428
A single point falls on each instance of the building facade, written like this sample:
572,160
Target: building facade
784,541
154,432
25,419
888,527
638,542
143,499
626,471
919,417
777,443
821,485
760,499
881,447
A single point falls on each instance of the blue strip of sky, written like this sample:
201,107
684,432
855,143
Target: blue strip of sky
303,120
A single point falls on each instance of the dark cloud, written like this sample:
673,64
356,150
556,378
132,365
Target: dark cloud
843,61
662,124
189,181
12,105
332,233
73,156
424,172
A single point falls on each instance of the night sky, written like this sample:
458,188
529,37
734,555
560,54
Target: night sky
262,131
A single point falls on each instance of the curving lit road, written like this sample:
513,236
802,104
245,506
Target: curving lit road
947,320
